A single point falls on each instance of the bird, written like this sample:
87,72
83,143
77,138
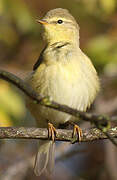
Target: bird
63,73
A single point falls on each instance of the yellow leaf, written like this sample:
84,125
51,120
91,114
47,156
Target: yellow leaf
5,120
108,5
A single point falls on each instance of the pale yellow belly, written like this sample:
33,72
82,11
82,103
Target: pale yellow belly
64,85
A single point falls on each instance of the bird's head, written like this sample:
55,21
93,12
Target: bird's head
60,26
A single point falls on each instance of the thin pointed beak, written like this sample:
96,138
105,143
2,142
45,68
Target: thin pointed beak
41,21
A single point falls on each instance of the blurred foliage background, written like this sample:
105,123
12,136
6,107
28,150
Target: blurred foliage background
20,46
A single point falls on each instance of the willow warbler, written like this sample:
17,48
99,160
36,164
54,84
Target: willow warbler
65,74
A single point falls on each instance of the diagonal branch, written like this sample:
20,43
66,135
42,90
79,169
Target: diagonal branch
46,101
102,122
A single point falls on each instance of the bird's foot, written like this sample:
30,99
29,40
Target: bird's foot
51,131
77,131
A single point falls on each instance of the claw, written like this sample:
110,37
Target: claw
77,130
51,131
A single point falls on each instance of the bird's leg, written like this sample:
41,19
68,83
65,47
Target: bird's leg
77,131
51,131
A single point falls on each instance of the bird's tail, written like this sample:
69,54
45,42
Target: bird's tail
45,157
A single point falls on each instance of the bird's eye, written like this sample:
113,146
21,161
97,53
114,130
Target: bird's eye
60,21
